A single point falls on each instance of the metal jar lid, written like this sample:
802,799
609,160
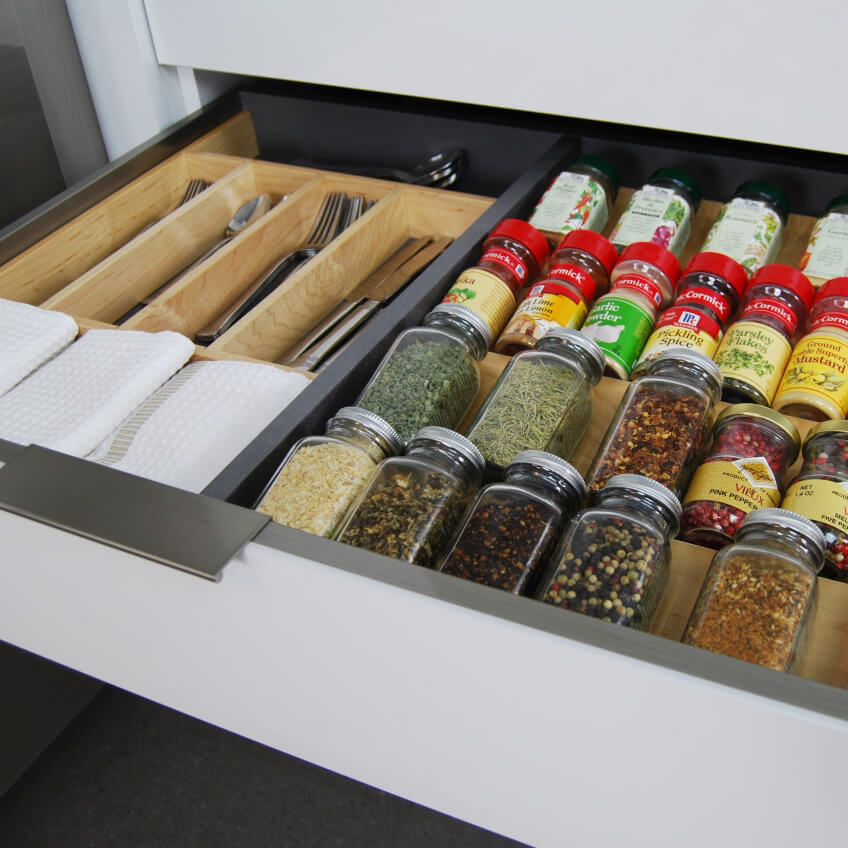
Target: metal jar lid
574,338
467,315
372,422
839,426
756,410
646,486
787,520
690,357
453,440
556,465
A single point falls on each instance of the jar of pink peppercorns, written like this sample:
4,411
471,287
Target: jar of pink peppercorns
753,448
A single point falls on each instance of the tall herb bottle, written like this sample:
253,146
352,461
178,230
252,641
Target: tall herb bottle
826,254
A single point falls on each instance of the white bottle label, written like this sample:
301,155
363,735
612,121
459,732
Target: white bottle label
654,214
572,202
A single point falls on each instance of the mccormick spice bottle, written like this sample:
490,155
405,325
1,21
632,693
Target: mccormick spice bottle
513,257
612,562
753,448
321,475
542,400
662,212
622,320
580,198
749,227
758,592
413,504
707,296
820,491
815,383
430,374
826,254
513,526
580,271
758,344
662,423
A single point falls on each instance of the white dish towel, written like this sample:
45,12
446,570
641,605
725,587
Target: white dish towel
79,397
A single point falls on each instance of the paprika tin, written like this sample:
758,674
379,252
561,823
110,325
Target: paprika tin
826,254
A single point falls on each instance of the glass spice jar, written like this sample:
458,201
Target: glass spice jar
612,562
513,526
753,448
413,504
321,475
430,374
757,346
542,400
661,426
580,271
749,227
662,212
820,491
621,321
514,255
815,382
580,198
758,593
826,254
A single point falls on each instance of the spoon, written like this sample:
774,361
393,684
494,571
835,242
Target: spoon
435,167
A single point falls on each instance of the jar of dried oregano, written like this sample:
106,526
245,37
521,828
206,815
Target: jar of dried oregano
321,475
758,593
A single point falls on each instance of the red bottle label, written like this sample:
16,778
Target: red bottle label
576,276
680,316
838,320
549,287
507,259
773,308
705,297
646,287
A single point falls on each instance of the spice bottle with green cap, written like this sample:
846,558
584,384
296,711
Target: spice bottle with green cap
514,254
513,526
621,321
430,374
749,227
580,272
754,351
826,254
613,560
579,198
321,475
542,400
661,212
413,504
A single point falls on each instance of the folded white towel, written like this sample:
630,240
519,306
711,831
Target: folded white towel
79,397
29,336
188,431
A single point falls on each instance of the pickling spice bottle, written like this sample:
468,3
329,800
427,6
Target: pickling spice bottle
513,526
815,382
820,491
612,562
758,593
542,400
745,469
580,198
749,227
321,475
413,504
662,212
621,321
662,424
430,374
826,254
757,346
580,271
514,255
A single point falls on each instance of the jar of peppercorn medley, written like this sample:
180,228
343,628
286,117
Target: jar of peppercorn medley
753,448
820,491
413,504
321,475
662,423
542,400
513,526
612,561
758,594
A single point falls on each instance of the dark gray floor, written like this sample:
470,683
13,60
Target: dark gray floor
128,772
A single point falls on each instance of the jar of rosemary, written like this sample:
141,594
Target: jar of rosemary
413,504
321,475
430,374
541,401
513,526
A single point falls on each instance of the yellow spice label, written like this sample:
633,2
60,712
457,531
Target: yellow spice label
747,484
754,354
483,293
818,367
666,337
819,500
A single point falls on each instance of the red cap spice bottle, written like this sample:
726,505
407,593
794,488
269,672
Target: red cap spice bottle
753,448
758,344
580,271
513,526
513,257
815,383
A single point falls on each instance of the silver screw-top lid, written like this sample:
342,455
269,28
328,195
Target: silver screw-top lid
555,464
575,338
372,422
787,520
646,486
691,357
452,439
468,315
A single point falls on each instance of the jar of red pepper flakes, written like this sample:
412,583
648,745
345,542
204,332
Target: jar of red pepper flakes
820,492
514,254
753,449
